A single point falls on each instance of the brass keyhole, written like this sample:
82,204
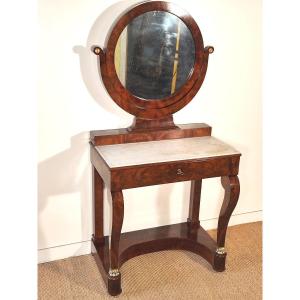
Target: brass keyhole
179,172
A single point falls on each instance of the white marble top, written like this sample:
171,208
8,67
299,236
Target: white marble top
132,154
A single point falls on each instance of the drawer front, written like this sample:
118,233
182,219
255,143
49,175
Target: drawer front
130,177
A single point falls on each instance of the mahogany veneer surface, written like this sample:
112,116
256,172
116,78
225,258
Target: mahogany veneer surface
156,151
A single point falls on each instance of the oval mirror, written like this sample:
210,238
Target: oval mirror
154,55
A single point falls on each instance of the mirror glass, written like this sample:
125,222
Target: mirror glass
155,55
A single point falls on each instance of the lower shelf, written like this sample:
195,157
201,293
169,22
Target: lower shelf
170,237
177,236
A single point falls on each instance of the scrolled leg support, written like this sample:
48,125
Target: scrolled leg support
232,191
114,275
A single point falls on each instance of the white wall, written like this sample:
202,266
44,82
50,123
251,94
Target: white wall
72,101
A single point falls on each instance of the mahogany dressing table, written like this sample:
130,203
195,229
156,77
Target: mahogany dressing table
153,64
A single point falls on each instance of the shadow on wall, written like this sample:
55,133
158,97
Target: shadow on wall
64,173
89,65
68,172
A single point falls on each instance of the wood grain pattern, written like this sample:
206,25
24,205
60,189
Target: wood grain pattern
169,237
231,185
188,236
98,187
117,222
122,136
176,236
114,275
152,108
194,207
140,125
160,173
100,165
153,122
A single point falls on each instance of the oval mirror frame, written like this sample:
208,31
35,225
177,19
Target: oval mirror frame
152,108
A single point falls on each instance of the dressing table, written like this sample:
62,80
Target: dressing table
153,64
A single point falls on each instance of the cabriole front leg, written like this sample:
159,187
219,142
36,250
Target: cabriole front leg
232,190
114,275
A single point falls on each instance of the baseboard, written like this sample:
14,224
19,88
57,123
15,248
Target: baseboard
82,248
64,251
236,219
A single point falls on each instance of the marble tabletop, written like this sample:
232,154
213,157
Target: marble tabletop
132,154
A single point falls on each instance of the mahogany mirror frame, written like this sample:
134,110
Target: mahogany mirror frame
152,113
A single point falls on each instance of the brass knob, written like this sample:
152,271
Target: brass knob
97,50
179,172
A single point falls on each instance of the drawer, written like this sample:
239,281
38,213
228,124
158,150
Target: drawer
168,172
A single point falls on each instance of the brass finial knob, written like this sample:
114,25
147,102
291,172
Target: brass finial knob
97,50
211,49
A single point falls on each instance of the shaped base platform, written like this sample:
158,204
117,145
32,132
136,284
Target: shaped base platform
170,237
